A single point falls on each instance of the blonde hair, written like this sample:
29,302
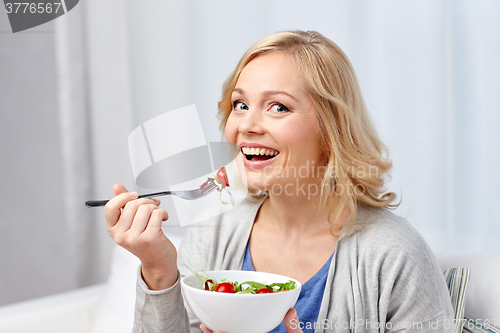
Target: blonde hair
357,165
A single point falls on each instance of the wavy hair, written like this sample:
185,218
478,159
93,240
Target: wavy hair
357,166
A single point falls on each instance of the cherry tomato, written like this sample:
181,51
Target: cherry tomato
225,287
222,176
263,291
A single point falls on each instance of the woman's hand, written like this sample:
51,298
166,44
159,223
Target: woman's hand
135,224
291,323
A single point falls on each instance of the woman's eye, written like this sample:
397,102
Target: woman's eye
240,106
279,108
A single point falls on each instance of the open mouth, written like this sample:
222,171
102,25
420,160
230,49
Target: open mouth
259,154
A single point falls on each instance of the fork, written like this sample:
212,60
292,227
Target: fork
188,195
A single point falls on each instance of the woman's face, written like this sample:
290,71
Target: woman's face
275,125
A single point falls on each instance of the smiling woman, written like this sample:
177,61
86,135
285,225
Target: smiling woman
316,168
313,78
271,113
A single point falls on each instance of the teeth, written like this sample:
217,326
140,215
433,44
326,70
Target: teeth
258,151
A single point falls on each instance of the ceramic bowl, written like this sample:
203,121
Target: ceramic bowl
239,313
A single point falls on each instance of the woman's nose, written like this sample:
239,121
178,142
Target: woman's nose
251,123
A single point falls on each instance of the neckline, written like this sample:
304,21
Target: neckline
306,286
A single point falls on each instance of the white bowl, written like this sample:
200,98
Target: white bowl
239,313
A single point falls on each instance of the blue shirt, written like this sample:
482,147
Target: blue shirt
310,296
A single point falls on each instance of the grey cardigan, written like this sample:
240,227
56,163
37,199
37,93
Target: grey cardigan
382,278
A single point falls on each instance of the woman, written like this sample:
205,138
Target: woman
316,168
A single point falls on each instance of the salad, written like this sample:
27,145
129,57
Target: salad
248,287
221,181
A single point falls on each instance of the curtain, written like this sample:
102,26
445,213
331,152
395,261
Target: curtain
428,70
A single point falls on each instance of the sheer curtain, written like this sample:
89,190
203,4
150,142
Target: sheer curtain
428,69
429,72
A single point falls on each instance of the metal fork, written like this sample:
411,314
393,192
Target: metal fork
188,195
